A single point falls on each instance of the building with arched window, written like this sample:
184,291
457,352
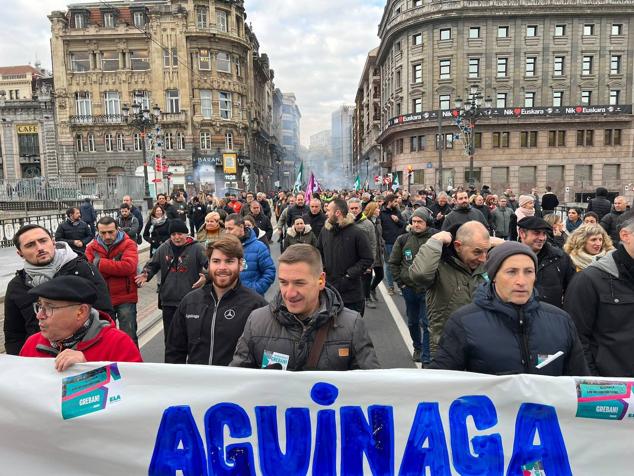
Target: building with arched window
196,61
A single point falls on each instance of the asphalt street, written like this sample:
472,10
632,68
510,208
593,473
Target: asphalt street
386,325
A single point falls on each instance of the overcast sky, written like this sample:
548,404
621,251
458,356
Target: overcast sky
317,48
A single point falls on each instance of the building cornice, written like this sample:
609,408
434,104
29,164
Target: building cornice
511,116
448,10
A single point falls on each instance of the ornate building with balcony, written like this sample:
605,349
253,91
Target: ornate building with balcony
194,59
27,129
559,73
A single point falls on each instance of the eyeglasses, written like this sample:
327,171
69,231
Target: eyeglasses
47,309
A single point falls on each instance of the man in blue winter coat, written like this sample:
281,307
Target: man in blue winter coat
259,270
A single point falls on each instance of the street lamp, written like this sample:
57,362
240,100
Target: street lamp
367,170
466,114
142,120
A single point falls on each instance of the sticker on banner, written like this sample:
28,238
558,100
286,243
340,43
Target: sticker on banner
90,392
604,400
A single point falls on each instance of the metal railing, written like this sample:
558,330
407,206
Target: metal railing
99,119
10,226
42,189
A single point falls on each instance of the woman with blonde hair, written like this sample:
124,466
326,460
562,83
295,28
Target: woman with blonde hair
211,230
586,244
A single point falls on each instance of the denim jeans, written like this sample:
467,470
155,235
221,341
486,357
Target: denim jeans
416,310
389,280
125,315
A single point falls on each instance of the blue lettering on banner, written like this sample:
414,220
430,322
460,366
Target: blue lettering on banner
489,456
362,439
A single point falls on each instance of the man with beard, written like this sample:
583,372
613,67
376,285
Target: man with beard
44,259
554,267
316,218
210,320
127,222
258,272
180,260
115,255
346,254
74,231
306,327
462,213
393,225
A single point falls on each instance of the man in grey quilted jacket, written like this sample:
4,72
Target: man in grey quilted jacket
282,334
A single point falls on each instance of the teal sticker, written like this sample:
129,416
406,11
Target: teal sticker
605,410
604,399
90,392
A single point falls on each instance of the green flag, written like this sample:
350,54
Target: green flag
300,178
357,183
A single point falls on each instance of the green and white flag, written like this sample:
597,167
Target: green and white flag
300,178
357,183
395,184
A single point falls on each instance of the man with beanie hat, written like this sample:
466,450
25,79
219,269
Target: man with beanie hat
181,261
405,249
71,330
506,330
554,268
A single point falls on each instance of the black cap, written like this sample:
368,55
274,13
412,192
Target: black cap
178,226
67,288
534,223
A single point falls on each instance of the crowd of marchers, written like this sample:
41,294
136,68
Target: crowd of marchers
498,284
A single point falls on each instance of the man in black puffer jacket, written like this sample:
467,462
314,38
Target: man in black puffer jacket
600,204
74,231
506,330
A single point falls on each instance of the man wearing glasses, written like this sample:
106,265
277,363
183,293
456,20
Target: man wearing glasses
72,331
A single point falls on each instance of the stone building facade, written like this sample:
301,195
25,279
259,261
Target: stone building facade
560,76
366,152
27,127
198,61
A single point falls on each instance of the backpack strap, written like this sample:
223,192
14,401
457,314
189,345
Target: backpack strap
318,345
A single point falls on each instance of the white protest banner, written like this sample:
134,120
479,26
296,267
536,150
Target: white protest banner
139,419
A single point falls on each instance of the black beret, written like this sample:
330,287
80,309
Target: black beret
67,288
534,223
